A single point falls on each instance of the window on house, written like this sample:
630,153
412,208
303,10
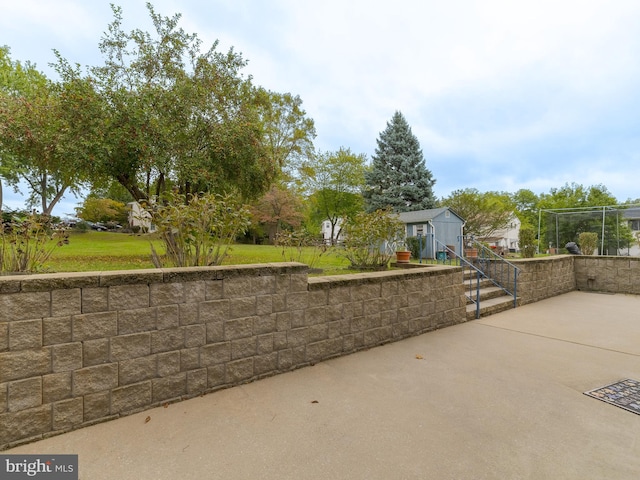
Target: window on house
634,225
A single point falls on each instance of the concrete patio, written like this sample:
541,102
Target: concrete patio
496,398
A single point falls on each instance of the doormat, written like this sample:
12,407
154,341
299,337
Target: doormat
624,394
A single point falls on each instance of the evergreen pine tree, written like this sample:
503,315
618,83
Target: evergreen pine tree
398,178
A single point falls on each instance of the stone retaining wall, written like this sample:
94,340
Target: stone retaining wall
608,274
545,277
82,348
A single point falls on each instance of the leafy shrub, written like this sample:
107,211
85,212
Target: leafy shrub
26,243
527,240
370,239
300,246
198,232
588,242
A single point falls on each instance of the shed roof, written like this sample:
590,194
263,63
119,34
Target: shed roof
419,216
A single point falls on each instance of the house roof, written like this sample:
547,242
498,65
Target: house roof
420,216
633,212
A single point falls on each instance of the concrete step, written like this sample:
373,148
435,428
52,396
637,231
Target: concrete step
490,306
486,292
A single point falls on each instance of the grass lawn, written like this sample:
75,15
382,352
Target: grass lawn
99,251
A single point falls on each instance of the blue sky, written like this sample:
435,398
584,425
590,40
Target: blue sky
501,94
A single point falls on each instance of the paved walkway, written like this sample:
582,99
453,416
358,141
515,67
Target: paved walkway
497,398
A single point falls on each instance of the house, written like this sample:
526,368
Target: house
505,239
437,227
328,237
632,216
139,217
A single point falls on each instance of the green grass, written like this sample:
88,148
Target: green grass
100,251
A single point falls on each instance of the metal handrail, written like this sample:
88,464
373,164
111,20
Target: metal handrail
466,268
496,268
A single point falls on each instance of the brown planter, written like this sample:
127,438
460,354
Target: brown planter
403,257
471,252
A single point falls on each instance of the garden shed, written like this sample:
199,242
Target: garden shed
436,227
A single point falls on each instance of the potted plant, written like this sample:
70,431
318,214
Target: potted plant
403,254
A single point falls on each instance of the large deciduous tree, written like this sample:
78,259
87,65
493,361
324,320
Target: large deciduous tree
483,213
335,181
398,177
172,115
37,129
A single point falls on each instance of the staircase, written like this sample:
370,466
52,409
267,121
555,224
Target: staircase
493,299
490,281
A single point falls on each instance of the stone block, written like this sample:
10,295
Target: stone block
95,379
24,394
4,337
263,285
168,316
377,336
195,335
189,359
285,359
265,324
94,325
137,370
325,349
25,306
214,289
297,300
167,340
214,311
195,292
97,406
215,354
278,302
137,320
66,302
216,375
266,364
66,357
130,346
298,282
338,295
4,397
283,321
239,328
95,300
243,347
197,381
68,413
24,364
215,332
56,330
129,297
239,371
234,287
95,352
169,387
367,291
166,293
280,340
168,364
25,334
297,337
130,398
264,344
315,315
56,387
264,305
242,307
24,424
298,318
299,356
189,314
316,333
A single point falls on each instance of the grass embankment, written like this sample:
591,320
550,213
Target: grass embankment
99,251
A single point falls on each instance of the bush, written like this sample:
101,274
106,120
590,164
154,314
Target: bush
200,232
527,240
26,243
370,239
300,246
588,242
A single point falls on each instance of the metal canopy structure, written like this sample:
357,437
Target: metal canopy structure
584,215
